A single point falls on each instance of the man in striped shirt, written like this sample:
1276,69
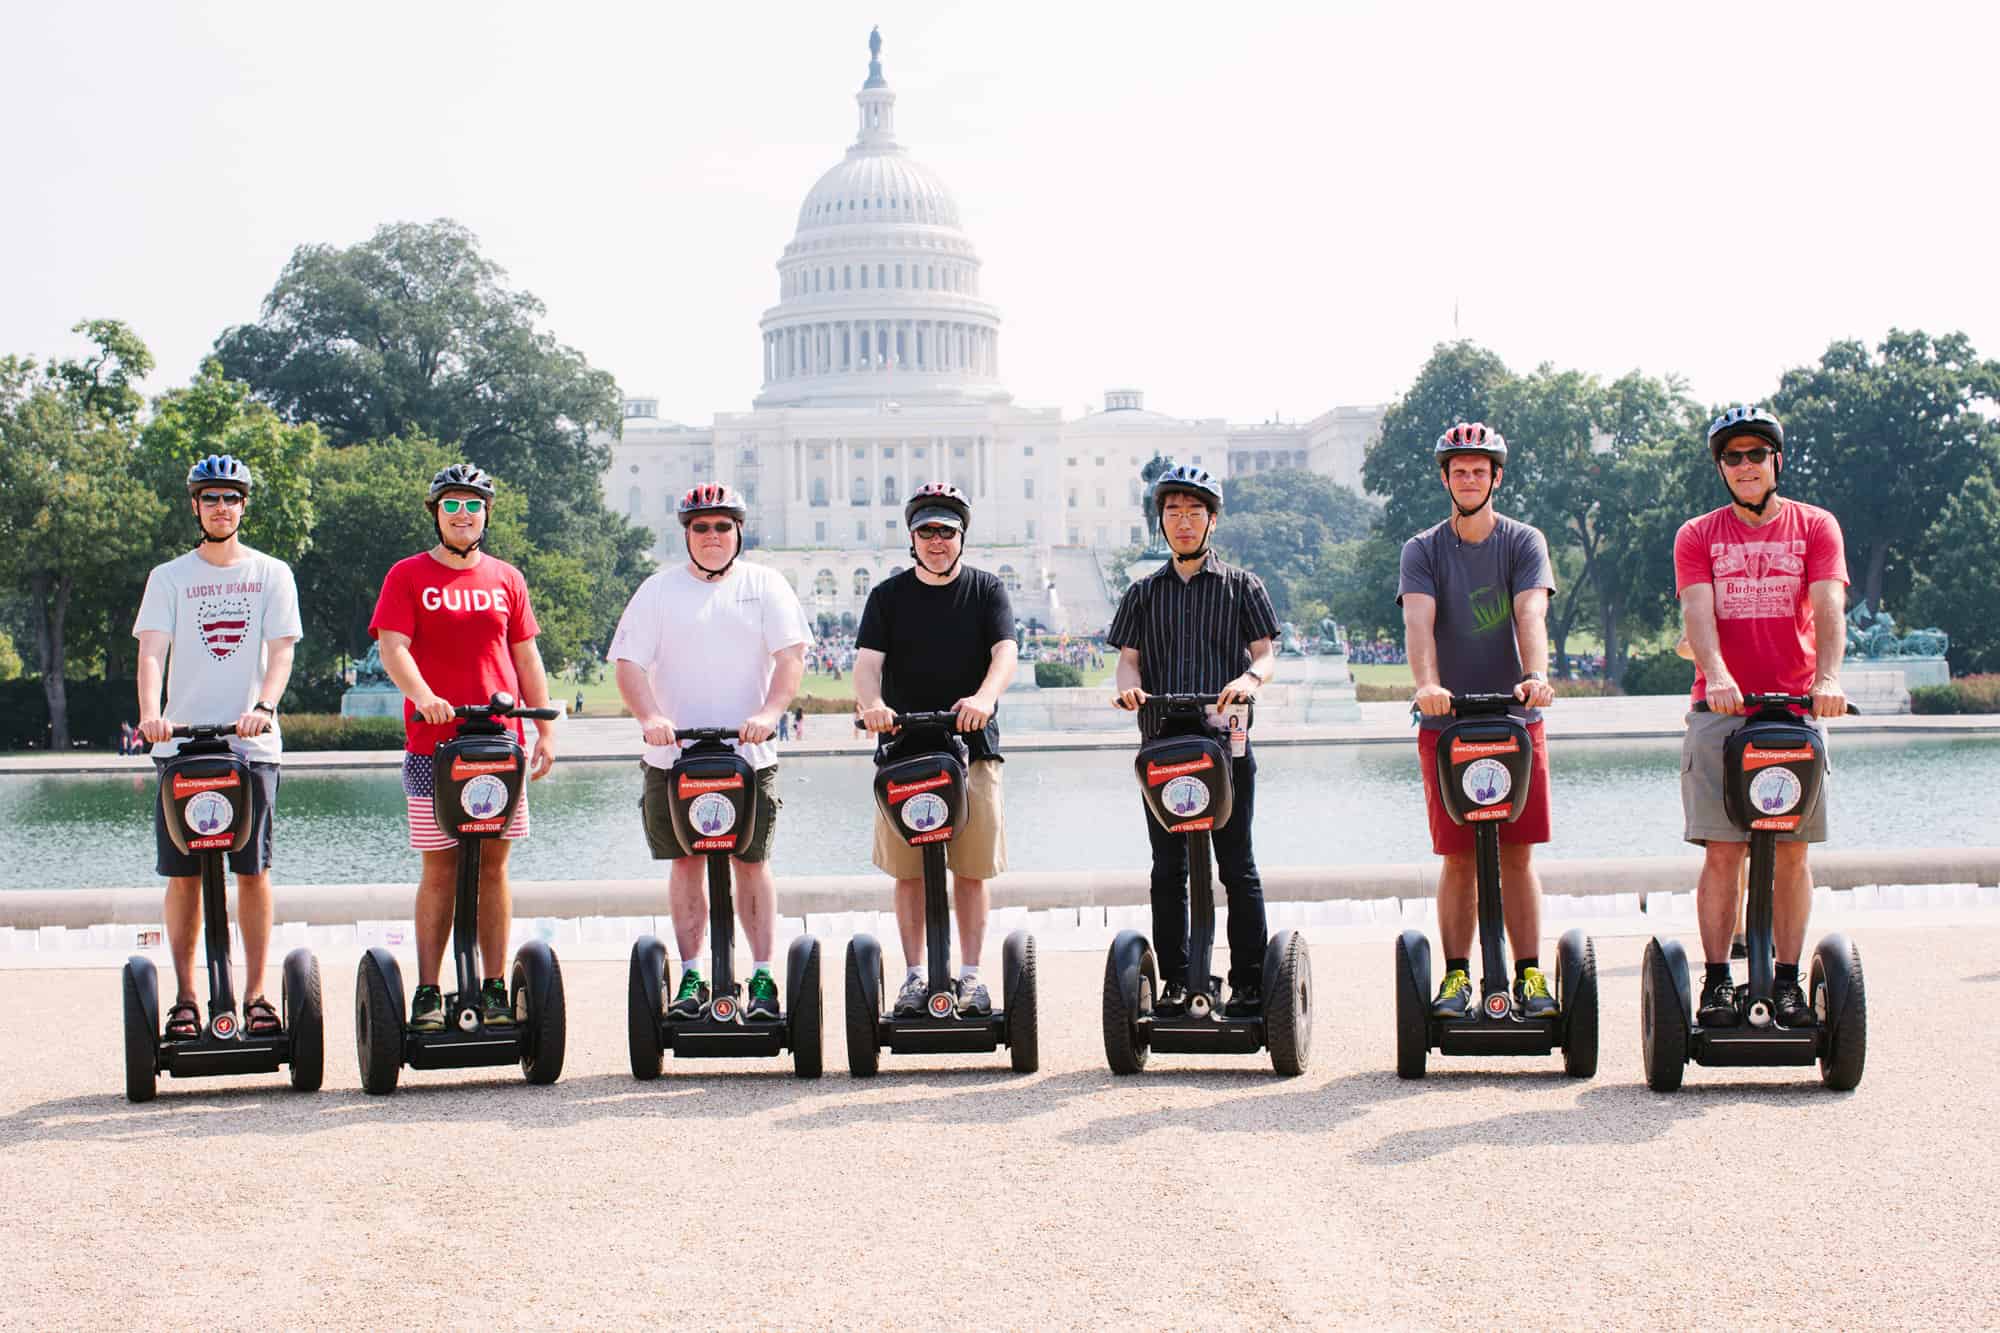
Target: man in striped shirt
1199,626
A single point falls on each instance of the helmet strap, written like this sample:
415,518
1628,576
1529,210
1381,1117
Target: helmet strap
714,575
949,574
234,533
1463,512
1200,553
463,553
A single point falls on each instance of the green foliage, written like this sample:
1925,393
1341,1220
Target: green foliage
330,731
1966,694
1460,382
10,659
1663,672
1058,675
1279,524
1357,584
1959,591
92,711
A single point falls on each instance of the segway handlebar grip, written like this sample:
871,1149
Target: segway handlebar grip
190,731
685,735
944,717
504,705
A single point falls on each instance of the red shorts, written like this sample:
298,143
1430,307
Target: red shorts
1449,839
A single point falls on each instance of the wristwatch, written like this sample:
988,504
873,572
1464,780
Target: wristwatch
1534,676
265,706
1252,673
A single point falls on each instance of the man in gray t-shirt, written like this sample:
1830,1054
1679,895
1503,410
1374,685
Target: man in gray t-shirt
1475,597
217,626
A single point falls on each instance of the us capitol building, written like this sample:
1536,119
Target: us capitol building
881,364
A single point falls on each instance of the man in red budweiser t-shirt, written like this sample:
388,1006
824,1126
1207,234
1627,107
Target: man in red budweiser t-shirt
455,626
1763,589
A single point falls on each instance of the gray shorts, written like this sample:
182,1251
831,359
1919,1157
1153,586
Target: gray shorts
1706,819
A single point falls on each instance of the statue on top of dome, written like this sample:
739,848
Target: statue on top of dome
875,79
875,42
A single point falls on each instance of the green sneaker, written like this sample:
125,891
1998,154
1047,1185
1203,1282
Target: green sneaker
494,1006
1531,992
1454,998
763,997
691,998
427,1010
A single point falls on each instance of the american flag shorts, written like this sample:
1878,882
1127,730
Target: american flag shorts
419,788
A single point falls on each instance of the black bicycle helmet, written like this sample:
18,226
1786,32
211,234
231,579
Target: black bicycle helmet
937,502
712,498
462,477
1472,437
1186,479
1744,420
219,470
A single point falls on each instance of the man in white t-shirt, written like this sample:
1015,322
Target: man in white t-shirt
713,643
218,625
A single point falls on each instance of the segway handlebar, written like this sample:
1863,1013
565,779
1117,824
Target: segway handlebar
504,705
1754,702
942,717
188,731
689,735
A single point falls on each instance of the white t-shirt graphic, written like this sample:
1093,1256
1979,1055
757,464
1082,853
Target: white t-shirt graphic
220,617
707,647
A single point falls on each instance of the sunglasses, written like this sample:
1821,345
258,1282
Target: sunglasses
1738,457
932,532
225,498
723,526
469,506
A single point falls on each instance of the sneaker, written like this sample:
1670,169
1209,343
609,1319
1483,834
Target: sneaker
1244,1002
763,997
495,1008
1172,1002
910,999
427,1010
1791,1006
1531,995
1718,1006
692,998
1454,997
973,998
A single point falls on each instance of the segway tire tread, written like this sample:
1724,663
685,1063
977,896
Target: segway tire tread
305,1020
864,1056
1022,1003
1845,1054
1578,1006
807,1015
642,1015
1413,981
142,1039
1663,1023
1288,1007
546,1040
378,1028
1123,1050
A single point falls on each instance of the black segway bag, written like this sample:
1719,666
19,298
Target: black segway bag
1773,773
1186,781
1485,765
206,800
476,781
921,790
714,799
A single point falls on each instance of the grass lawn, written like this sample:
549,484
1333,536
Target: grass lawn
1373,673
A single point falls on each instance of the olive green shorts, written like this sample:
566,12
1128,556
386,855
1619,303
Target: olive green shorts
657,813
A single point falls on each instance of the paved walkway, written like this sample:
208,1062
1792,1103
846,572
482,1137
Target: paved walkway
950,1193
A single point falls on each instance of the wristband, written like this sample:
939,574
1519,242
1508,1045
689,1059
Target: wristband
1534,676
1252,673
263,707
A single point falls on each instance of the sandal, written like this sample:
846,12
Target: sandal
260,1019
183,1021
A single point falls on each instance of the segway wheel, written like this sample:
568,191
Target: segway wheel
1663,1017
1019,997
1576,1001
539,1011
142,1030
305,1020
1413,998
864,1006
1841,1005
642,1006
378,1021
806,1019
1131,980
1288,1002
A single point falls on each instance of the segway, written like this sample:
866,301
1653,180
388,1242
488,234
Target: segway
1485,762
1774,769
920,781
205,795
1183,769
714,806
478,776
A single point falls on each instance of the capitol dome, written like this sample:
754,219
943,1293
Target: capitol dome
878,291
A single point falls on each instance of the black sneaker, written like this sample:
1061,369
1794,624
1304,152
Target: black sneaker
1718,1006
495,1009
1454,997
763,998
691,1000
427,1010
1791,1006
973,998
1244,1002
910,1000
1173,1001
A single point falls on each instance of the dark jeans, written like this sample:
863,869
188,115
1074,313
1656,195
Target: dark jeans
1238,867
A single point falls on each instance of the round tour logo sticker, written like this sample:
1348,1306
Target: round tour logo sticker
1186,796
1775,791
712,814
1487,781
484,797
924,812
209,813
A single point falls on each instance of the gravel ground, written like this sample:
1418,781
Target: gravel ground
949,1192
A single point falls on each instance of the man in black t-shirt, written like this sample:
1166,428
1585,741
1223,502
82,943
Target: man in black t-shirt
940,636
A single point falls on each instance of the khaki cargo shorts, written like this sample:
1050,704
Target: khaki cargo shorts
1706,818
979,851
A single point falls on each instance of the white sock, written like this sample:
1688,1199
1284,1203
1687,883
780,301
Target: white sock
755,968
970,972
690,966
914,974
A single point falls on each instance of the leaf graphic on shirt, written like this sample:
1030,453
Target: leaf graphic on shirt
1491,608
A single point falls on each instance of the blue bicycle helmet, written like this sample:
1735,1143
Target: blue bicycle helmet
219,470
1186,479
1744,421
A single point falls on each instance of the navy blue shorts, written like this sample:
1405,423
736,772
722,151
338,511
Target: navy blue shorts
254,859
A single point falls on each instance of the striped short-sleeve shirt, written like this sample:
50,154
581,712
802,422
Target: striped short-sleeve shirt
1193,635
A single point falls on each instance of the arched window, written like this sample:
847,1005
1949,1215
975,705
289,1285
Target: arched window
862,578
825,586
846,275
1009,579
819,491
894,570
860,489
633,500
889,489
864,275
881,275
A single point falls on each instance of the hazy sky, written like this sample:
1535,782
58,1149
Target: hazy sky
1271,210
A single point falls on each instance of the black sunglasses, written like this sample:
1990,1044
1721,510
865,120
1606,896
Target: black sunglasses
212,498
1738,457
704,527
936,532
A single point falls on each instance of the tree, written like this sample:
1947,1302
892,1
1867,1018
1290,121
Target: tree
1356,582
1959,594
1460,382
74,510
1882,441
1276,524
